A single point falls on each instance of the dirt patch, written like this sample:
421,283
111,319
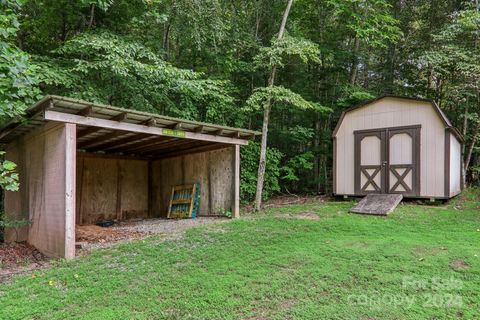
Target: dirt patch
90,237
19,257
300,215
287,304
283,200
422,251
93,233
307,215
459,265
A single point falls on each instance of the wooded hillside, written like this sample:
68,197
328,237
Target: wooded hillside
211,60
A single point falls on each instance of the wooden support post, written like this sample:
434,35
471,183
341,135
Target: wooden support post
70,188
236,182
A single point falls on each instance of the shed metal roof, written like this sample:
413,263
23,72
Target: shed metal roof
36,117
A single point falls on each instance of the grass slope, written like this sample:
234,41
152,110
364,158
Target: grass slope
341,266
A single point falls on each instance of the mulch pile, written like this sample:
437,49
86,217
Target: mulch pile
94,233
15,257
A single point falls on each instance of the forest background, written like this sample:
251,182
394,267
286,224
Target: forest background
210,60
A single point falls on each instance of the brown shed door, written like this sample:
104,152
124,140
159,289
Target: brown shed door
387,161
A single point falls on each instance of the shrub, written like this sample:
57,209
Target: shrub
250,155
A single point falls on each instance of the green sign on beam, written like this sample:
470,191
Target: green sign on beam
174,133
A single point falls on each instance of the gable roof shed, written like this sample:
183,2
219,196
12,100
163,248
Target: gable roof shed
395,144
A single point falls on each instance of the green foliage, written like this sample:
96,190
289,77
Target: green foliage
369,20
8,176
352,95
280,95
250,155
108,68
17,81
102,4
203,60
288,46
224,212
295,165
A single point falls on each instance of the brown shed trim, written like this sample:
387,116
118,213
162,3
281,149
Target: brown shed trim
447,163
437,109
334,165
384,134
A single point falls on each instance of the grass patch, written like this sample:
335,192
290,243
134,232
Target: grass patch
420,262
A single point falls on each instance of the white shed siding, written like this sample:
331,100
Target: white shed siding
394,112
455,161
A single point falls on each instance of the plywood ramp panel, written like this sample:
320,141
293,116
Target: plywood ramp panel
47,162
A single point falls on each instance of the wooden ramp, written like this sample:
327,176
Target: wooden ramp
377,204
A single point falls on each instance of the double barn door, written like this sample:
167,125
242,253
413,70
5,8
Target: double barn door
387,160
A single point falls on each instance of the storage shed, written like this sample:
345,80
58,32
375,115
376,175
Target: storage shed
81,162
397,145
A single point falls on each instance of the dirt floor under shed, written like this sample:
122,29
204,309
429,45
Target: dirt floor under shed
90,237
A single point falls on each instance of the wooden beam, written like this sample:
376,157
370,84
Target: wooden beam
120,117
86,112
198,129
150,122
175,126
116,125
171,145
199,149
236,134
139,146
81,155
111,144
100,140
87,132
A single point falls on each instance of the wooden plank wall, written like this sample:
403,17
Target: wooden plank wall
213,169
111,188
46,162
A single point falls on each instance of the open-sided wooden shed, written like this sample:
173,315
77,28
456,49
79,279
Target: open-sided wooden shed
397,145
81,162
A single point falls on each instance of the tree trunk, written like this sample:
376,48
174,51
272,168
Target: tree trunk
466,163
266,117
92,16
354,70
475,136
316,146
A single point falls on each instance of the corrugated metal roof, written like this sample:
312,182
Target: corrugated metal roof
35,118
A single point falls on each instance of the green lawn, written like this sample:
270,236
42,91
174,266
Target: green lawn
422,262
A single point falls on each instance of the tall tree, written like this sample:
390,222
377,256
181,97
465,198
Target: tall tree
266,116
